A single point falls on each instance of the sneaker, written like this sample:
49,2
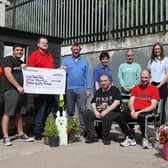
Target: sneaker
7,142
25,138
145,143
91,140
106,141
128,142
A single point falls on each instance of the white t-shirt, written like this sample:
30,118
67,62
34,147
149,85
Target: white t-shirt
158,69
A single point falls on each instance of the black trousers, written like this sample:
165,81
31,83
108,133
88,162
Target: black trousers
142,120
163,90
107,120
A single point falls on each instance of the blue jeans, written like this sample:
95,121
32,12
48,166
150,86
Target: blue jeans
79,97
44,104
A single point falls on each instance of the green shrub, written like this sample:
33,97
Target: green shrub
50,128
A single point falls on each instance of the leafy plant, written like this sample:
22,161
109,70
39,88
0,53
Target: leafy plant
50,128
73,127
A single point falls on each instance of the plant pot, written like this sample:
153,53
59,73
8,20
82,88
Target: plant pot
165,147
45,140
73,138
53,141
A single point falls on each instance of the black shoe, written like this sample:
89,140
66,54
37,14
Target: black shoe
91,140
38,137
106,142
83,133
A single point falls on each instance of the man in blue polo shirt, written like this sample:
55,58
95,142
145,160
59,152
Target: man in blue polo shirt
78,82
102,68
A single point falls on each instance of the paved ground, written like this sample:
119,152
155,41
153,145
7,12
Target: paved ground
81,155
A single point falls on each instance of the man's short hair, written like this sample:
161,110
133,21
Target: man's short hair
105,74
147,70
18,45
104,54
130,50
42,37
75,44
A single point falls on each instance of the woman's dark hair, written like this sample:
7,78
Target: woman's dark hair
153,52
104,54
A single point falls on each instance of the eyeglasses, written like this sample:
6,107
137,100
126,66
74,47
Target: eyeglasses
104,59
144,77
157,49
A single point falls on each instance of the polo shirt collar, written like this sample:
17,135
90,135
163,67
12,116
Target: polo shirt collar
43,53
103,67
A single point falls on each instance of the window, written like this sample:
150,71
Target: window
8,52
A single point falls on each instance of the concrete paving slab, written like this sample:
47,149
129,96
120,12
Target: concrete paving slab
80,155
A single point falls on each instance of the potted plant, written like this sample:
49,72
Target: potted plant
73,128
51,131
163,139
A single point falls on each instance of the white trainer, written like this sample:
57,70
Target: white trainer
7,142
128,142
146,144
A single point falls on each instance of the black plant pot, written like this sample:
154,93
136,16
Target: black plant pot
53,141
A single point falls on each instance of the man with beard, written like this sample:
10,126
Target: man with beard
14,97
106,107
142,103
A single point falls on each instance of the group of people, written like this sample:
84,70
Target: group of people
78,88
144,88
135,85
13,91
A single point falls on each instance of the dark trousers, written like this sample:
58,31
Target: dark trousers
163,90
44,104
163,112
107,120
142,120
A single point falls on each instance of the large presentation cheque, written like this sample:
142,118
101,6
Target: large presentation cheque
44,80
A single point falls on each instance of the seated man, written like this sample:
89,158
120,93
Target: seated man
142,103
106,106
